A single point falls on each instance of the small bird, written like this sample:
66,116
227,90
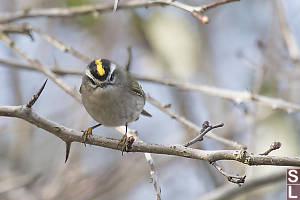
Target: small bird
111,96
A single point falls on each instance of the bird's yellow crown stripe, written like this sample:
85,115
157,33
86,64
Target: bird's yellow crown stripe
100,68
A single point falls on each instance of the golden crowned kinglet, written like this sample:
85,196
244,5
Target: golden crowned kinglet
111,96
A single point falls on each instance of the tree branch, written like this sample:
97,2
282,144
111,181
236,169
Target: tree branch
196,11
205,129
71,135
236,96
166,109
231,178
228,191
39,67
60,45
61,72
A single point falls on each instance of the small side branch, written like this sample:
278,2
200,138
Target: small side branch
166,109
206,127
236,96
116,5
274,146
231,178
16,29
213,5
227,191
60,45
153,174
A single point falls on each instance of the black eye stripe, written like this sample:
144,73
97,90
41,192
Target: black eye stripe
112,76
92,81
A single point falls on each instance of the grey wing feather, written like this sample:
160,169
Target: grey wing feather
136,88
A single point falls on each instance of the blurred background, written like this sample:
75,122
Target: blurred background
244,47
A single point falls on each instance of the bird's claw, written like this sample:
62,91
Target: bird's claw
86,133
123,141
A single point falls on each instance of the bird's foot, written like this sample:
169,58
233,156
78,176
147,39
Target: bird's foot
86,133
123,141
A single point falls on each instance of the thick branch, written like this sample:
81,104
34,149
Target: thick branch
71,135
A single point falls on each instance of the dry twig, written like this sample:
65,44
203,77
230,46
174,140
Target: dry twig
39,67
196,11
206,127
60,45
274,146
192,126
236,96
54,69
230,191
116,5
231,178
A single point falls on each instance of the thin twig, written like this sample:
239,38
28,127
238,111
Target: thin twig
274,146
236,96
116,5
205,129
38,66
191,125
61,72
60,45
36,96
28,28
213,5
16,28
153,172
196,11
230,191
231,178
154,177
